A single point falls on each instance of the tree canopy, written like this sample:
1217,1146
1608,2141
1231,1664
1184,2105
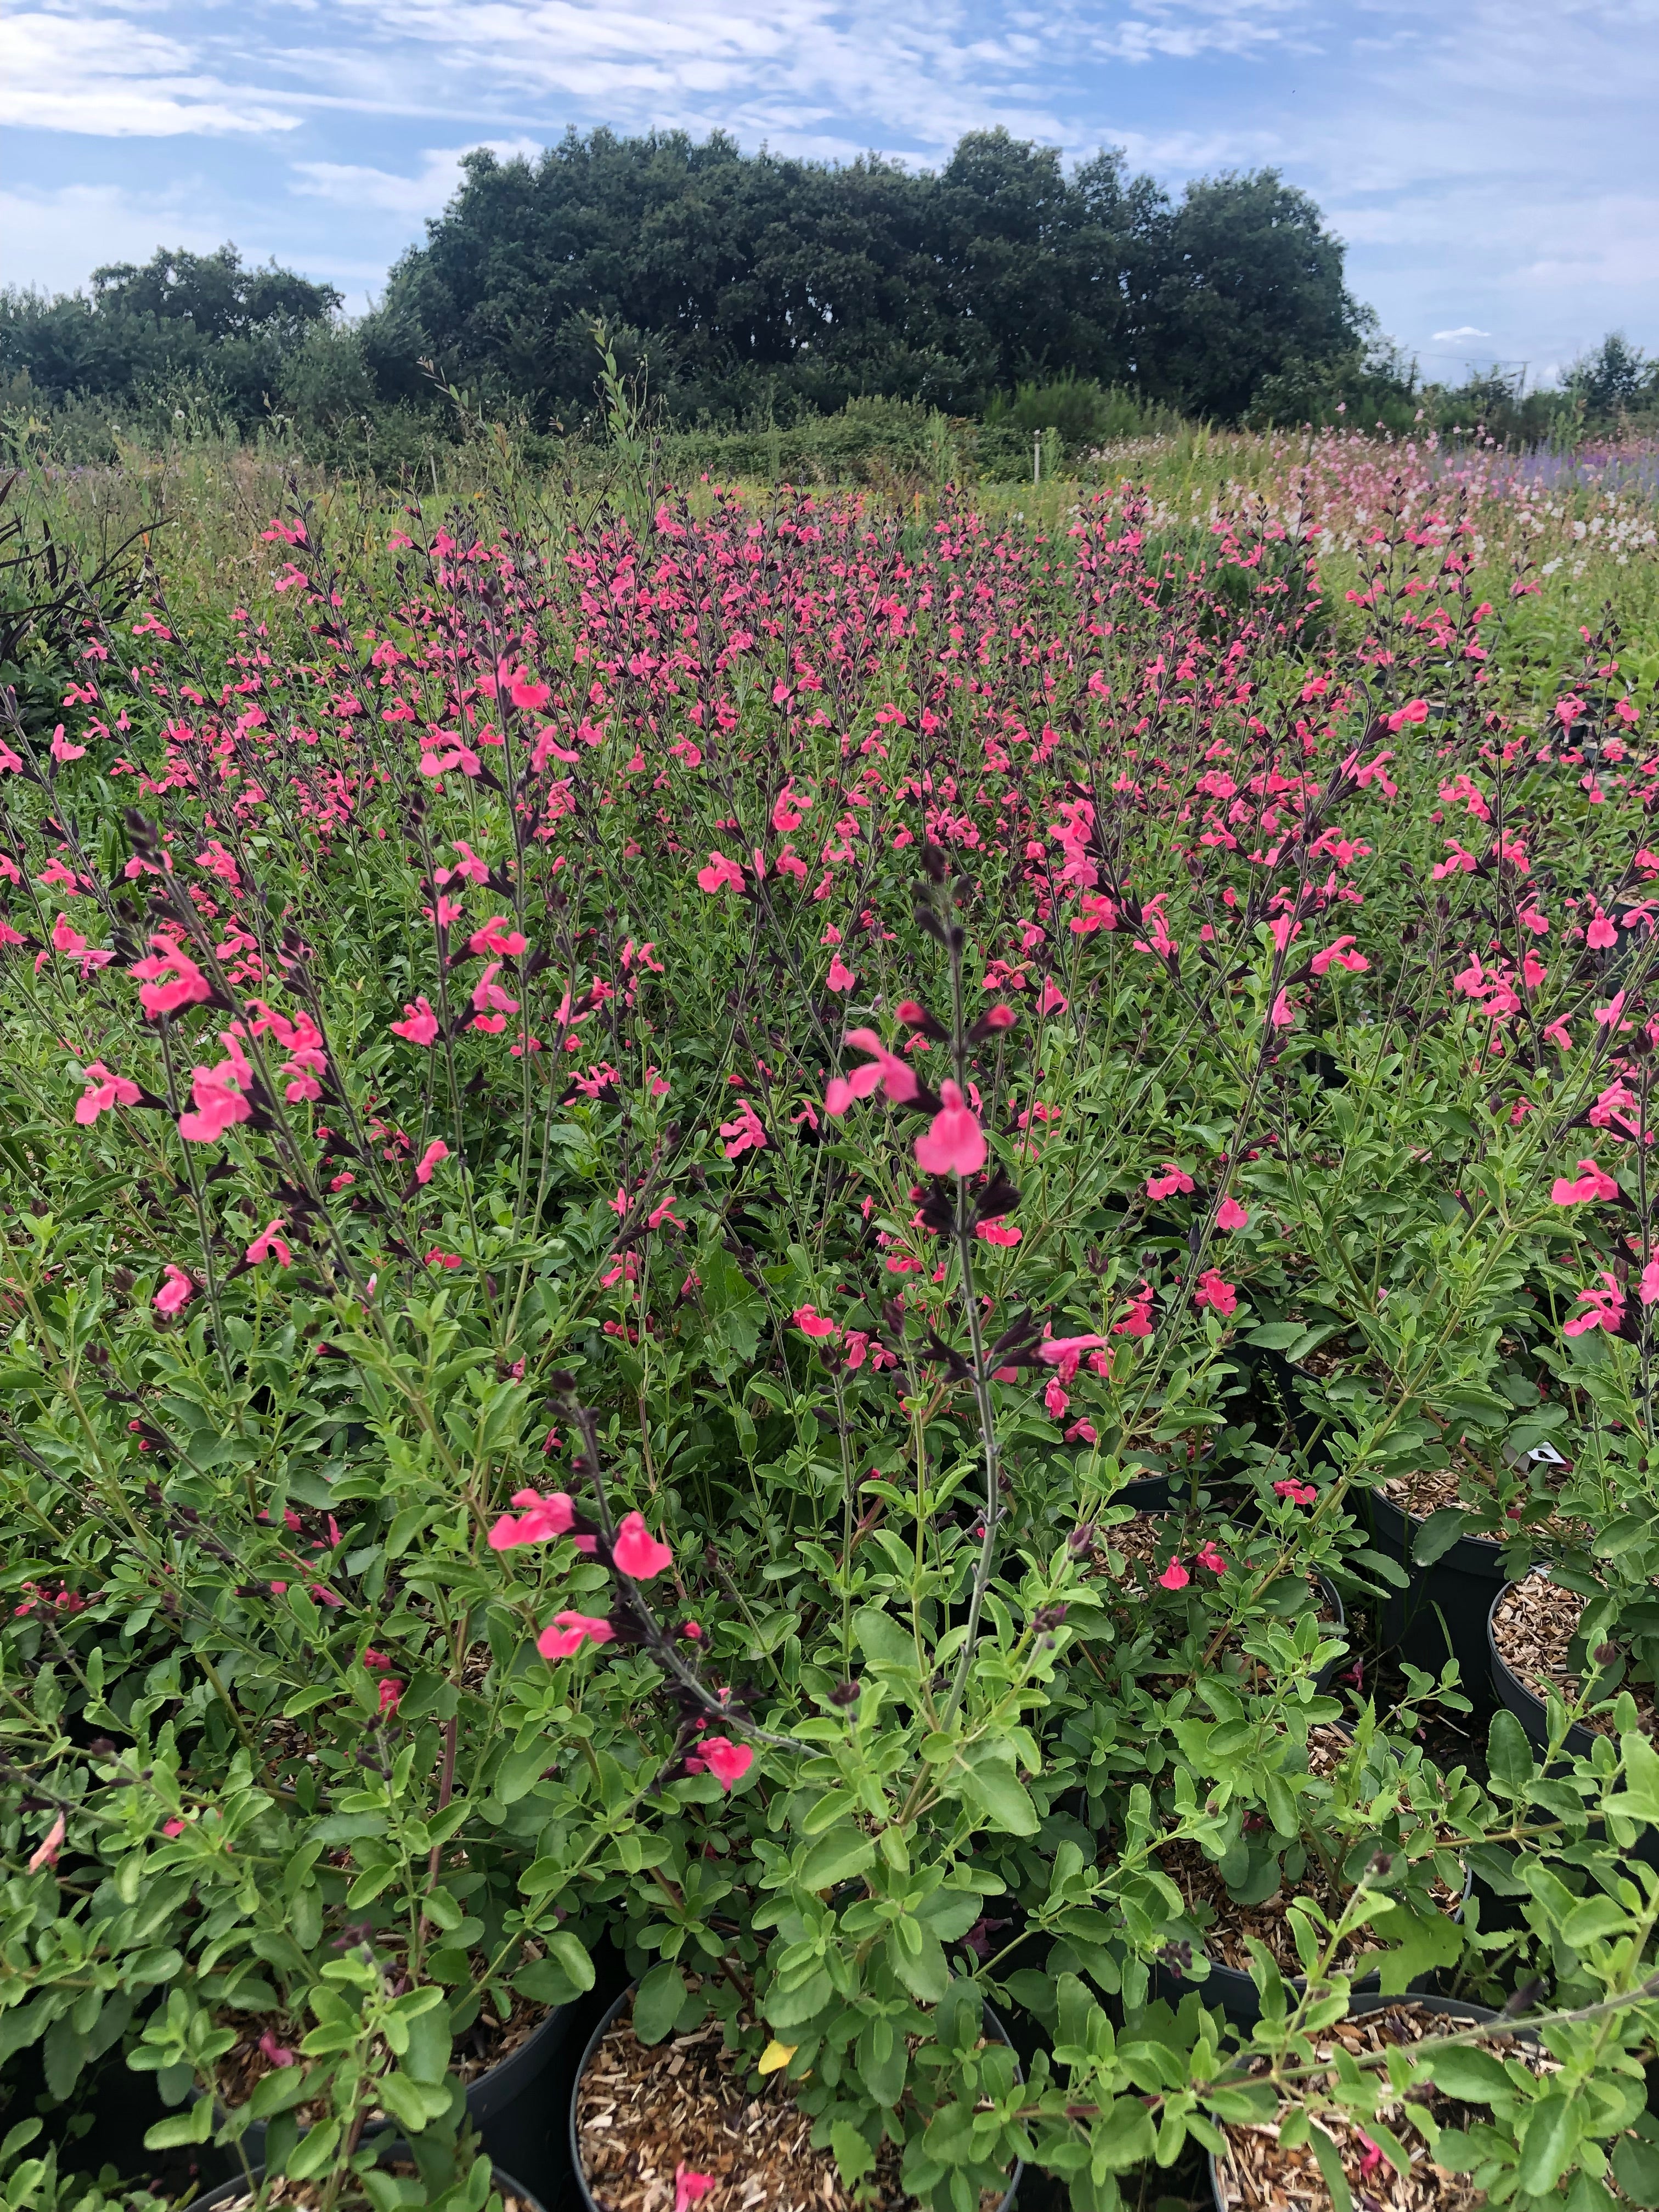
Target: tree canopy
746,281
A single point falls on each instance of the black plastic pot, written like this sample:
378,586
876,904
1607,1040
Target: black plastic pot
1232,1989
1442,1615
229,2191
1522,1699
590,2204
1451,2008
513,2106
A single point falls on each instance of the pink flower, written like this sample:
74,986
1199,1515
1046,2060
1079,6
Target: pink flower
746,1132
1168,1180
1371,2157
567,1632
46,1852
1213,1292
811,1323
841,977
175,1293
689,2186
1052,1001
636,1552
1209,1558
391,1690
884,1069
103,1092
1648,1289
1054,1398
1299,1493
1082,1432
1337,956
1283,1014
437,1257
497,935
436,1151
490,1003
1065,1352
1592,1182
541,1518
268,1245
419,1024
218,1107
277,2053
720,872
189,987
726,1762
955,1143
1229,1214
998,1232
1604,1309
1137,1321
62,750
1174,1577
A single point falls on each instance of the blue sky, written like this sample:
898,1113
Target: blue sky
1490,162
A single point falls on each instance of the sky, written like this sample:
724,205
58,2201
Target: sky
1489,163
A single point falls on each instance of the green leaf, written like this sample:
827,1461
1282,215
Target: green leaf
1418,1942
278,2090
1636,2169
1474,2075
1550,2138
923,1972
853,2156
657,2002
1123,2135
1330,2166
1438,1533
883,1642
1641,1792
566,1974
1508,1755
1002,1798
403,2099
845,1851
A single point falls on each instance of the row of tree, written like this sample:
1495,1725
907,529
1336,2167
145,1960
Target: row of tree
741,289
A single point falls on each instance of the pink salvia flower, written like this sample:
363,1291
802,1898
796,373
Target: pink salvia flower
955,1143
841,977
566,1633
1213,1291
726,1762
1592,1182
497,935
689,2186
175,1293
1066,1352
1168,1181
540,1520
1299,1493
1175,1576
435,1151
811,1323
268,1245
46,1852
1229,1214
103,1092
1210,1559
883,1070
720,872
1604,1309
746,1132
636,1552
419,1024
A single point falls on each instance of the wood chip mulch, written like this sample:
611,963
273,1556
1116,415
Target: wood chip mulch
1534,1627
643,2110
1427,1489
310,2195
1256,2175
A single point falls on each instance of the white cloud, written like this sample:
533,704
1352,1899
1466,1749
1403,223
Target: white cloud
1463,331
55,237
422,194
110,78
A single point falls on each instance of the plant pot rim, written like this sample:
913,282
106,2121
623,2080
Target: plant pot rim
1359,2003
1580,1740
585,2196
223,2191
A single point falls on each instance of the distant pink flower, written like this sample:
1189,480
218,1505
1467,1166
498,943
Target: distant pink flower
497,935
169,980
747,1132
1601,935
435,1151
720,872
103,1092
1283,1014
419,1024
437,1257
1066,1352
1372,2156
1229,1214
567,1632
1054,1398
883,1070
726,1762
62,750
278,2054
998,1232
1082,1432
391,1690
841,977
1168,1181
1210,1559
175,1293
490,1003
1137,1321
1592,1182
689,2186
1175,1576
1052,1000
217,1107
1299,1493
268,1245
1648,1288
46,1852
540,1520
1337,956
811,1323
1604,1308
1213,1291
636,1552
955,1143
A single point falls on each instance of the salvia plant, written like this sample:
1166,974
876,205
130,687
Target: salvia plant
717,1221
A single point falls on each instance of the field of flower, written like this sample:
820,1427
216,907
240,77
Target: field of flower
824,1251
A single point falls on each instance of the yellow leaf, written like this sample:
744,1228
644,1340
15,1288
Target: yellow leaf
776,2055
